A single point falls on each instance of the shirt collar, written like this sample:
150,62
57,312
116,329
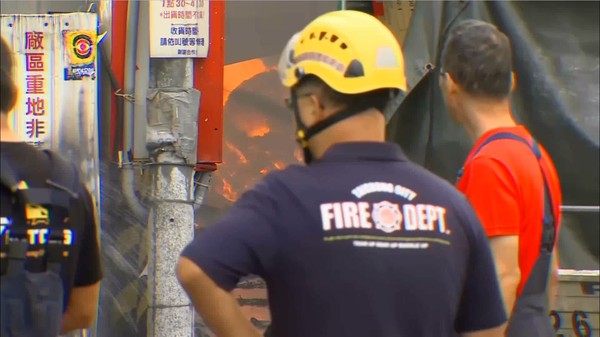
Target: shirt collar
363,151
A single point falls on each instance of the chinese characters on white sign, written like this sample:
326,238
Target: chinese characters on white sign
179,28
36,97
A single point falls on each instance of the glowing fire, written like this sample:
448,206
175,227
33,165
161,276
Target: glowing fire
237,151
259,131
237,73
253,125
256,140
228,192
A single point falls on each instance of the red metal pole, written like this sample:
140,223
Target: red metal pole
208,78
378,9
118,35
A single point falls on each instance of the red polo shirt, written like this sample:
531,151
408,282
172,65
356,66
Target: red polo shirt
504,184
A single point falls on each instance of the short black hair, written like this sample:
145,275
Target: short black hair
377,99
8,91
478,56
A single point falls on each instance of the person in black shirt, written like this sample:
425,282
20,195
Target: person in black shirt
81,275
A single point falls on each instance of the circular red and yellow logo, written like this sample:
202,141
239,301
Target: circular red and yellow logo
82,46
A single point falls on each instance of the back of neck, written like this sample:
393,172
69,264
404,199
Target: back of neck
365,127
6,133
481,118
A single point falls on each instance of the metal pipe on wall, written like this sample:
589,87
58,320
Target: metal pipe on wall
580,209
130,72
128,174
105,13
128,184
201,185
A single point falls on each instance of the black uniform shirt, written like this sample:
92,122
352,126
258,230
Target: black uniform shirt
360,243
33,167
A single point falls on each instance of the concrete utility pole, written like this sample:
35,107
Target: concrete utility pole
163,125
171,138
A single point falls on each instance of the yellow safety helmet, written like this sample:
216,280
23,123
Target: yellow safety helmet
353,52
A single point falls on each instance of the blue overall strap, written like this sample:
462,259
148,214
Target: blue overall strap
507,135
548,220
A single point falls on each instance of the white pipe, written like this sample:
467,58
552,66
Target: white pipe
201,186
130,66
105,13
580,209
128,181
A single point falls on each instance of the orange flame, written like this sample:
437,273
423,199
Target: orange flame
228,192
237,73
259,131
238,152
252,124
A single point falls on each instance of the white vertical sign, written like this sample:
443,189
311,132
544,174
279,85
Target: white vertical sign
33,54
55,57
37,89
179,28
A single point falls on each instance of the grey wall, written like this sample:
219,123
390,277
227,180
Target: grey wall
253,28
262,28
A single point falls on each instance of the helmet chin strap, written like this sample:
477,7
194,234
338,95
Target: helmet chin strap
301,130
304,133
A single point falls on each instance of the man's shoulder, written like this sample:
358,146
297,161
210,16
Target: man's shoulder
21,152
507,146
36,166
273,182
303,175
26,162
290,172
506,155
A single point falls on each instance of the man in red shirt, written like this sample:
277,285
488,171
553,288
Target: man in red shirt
509,179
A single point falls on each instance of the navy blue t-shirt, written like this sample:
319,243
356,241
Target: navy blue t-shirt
361,243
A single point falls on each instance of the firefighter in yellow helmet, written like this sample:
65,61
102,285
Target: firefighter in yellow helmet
361,242
346,61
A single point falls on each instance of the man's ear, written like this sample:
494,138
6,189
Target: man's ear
317,107
449,86
513,78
